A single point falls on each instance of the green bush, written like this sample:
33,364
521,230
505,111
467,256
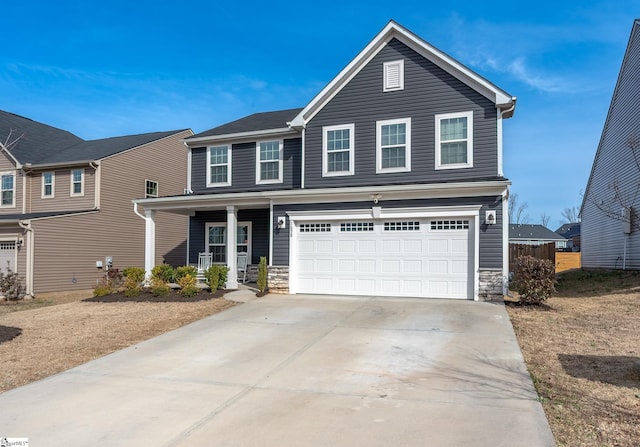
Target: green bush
262,274
136,274
216,276
183,271
159,287
534,279
11,285
188,285
132,287
163,272
104,288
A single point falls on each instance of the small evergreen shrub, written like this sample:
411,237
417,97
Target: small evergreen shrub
188,285
104,288
184,270
133,278
136,274
163,272
534,279
11,285
216,276
262,274
159,287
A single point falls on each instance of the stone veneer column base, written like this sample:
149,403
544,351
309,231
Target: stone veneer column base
278,279
491,285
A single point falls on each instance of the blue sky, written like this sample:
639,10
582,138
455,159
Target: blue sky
101,69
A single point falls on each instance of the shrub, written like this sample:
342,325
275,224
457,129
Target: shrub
11,285
216,276
184,270
262,274
534,279
104,288
188,285
135,274
159,287
163,272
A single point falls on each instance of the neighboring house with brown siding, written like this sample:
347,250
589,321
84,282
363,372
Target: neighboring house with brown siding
65,203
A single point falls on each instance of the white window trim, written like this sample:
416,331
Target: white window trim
385,76
13,196
146,194
81,193
469,163
229,160
407,167
325,151
224,224
53,185
280,163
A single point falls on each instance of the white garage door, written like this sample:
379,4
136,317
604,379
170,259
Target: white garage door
415,258
7,256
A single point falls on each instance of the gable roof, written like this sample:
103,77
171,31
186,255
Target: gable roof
569,230
628,78
37,140
256,122
532,232
502,99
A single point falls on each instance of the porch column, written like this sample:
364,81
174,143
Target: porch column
232,247
149,242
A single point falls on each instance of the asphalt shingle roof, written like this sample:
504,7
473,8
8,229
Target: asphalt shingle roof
251,123
569,230
532,231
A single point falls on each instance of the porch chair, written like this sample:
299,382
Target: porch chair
242,266
204,261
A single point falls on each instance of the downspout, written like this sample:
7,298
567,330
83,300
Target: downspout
501,114
188,166
302,171
30,255
270,232
97,181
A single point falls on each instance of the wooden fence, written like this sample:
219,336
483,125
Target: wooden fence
545,251
567,261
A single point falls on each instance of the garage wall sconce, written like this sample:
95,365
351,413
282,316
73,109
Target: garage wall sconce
18,243
376,197
282,222
490,217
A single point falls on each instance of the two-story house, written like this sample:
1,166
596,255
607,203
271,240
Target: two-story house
389,182
65,208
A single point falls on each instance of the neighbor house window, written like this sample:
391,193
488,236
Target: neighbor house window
151,189
269,162
337,150
217,240
454,140
8,189
47,184
77,182
219,163
393,74
393,145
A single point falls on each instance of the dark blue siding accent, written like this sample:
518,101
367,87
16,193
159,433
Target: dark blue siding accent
259,219
243,165
428,91
490,236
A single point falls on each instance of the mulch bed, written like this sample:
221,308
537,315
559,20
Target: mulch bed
147,297
8,333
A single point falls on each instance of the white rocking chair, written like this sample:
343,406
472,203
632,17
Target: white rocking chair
242,266
204,261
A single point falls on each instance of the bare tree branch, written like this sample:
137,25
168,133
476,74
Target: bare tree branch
544,219
517,211
571,214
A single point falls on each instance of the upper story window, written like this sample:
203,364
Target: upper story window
337,150
269,162
219,166
7,189
151,189
48,180
454,140
393,145
393,75
77,182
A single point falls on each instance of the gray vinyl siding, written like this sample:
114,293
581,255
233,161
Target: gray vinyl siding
603,242
490,242
67,247
259,219
243,165
428,91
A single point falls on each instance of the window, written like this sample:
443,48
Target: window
393,145
217,241
269,162
315,228
77,182
393,74
454,140
47,184
219,162
151,189
356,226
402,226
7,189
337,150
450,224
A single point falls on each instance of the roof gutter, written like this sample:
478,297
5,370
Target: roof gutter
249,136
32,167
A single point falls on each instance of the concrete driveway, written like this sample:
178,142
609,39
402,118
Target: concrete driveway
299,371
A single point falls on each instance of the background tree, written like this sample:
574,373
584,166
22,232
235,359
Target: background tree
571,214
517,210
544,219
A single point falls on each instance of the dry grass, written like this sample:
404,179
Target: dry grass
583,353
60,331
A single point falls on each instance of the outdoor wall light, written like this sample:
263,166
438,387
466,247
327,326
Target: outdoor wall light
490,217
282,222
376,197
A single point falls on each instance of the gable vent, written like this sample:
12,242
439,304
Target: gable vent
393,76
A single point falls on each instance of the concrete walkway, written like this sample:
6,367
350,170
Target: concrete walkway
299,371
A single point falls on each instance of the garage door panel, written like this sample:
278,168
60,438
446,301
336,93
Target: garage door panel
324,265
412,246
438,246
391,266
412,266
367,266
347,265
391,246
347,246
367,246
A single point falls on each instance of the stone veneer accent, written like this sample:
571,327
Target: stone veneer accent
278,279
490,287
